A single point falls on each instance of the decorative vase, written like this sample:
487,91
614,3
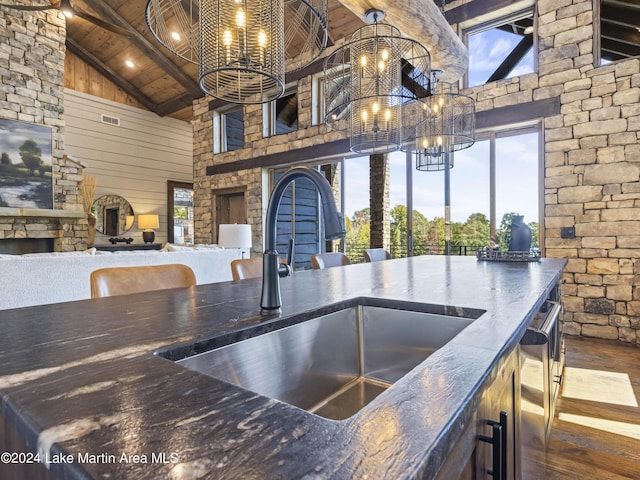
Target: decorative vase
91,237
520,235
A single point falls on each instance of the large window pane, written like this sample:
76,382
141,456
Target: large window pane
356,206
517,189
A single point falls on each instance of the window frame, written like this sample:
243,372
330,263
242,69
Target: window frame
470,28
220,127
269,112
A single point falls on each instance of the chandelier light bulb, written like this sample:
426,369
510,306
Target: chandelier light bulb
241,18
262,38
227,38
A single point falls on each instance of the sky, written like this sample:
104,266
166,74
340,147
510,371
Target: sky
516,158
14,133
516,181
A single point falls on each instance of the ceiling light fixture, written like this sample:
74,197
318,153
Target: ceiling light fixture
129,63
242,47
448,124
373,83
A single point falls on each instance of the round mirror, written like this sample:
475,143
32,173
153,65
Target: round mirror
114,215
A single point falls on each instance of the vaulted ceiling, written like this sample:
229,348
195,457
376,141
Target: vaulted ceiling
159,80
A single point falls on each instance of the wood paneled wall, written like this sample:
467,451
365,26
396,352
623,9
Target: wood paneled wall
134,160
81,77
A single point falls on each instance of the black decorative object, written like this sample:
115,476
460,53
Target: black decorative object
149,236
115,240
519,235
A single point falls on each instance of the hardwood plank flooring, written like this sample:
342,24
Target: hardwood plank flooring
596,429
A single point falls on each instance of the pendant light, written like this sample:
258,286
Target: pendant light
241,47
448,125
371,85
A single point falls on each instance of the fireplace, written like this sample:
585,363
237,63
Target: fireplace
19,246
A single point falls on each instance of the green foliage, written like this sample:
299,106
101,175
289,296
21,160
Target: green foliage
31,155
4,159
179,213
429,235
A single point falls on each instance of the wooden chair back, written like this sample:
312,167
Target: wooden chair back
107,282
242,268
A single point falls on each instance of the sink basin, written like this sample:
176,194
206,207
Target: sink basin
332,364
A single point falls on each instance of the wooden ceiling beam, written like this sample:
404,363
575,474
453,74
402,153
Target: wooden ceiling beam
175,104
147,48
111,75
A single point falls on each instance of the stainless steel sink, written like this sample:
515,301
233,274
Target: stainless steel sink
334,364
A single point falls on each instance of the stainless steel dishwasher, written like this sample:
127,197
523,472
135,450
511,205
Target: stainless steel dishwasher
541,369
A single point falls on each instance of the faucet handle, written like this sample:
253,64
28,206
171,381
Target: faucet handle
284,270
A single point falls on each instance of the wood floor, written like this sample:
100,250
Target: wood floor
596,430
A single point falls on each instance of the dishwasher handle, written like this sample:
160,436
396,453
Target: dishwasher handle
540,336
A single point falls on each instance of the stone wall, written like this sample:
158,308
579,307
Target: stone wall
592,180
307,135
32,50
592,165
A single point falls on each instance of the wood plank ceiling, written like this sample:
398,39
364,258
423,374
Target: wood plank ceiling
159,80
167,85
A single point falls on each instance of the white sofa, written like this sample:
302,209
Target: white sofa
38,279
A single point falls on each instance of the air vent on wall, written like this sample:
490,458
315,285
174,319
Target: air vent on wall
115,121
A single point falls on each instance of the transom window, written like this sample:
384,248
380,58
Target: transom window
501,49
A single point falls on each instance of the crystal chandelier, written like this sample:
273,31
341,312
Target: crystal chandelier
373,83
448,125
241,47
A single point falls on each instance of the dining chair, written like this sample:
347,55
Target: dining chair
376,255
107,282
328,260
242,268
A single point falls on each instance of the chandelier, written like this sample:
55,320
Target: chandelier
373,85
448,125
241,47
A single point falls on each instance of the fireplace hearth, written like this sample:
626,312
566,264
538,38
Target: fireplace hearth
19,246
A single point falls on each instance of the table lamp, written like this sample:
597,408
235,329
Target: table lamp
148,223
235,236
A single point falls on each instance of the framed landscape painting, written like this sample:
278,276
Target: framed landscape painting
26,170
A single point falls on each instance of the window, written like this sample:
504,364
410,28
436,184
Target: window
501,49
281,115
489,182
228,130
180,212
317,99
616,37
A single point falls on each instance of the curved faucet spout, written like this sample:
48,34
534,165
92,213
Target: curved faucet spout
334,228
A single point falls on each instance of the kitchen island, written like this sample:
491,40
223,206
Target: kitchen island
82,386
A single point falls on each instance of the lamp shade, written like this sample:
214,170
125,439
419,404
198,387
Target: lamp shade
234,236
148,222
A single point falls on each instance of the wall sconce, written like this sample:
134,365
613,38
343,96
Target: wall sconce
235,236
148,223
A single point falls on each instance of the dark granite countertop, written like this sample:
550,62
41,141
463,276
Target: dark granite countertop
81,378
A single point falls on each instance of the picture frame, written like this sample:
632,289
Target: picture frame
26,165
